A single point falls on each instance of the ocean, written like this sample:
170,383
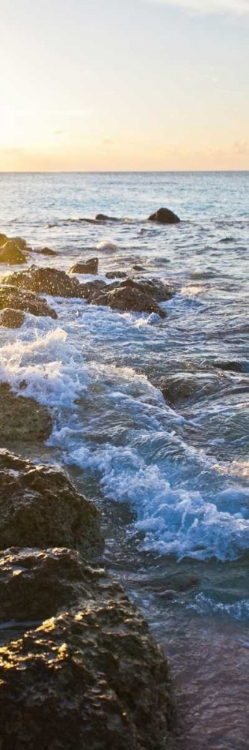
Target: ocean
151,415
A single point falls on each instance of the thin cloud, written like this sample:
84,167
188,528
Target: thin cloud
236,7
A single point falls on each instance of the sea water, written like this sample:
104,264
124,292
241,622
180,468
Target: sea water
170,474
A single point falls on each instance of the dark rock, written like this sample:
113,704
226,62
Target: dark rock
40,507
161,292
87,266
22,420
89,679
137,267
3,239
92,289
11,253
47,251
116,275
129,298
19,299
164,216
232,365
11,318
35,583
103,217
45,280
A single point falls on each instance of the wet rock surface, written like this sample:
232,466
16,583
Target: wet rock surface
11,253
45,280
89,678
23,420
40,507
87,266
35,583
139,296
103,217
183,386
128,298
232,365
164,216
161,292
92,289
19,299
47,251
11,318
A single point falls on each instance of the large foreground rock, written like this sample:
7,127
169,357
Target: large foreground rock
90,678
45,280
40,507
164,216
20,299
11,253
22,420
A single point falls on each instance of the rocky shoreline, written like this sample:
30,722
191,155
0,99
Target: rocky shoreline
78,666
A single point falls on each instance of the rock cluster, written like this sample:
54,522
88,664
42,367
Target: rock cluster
79,669
140,295
82,671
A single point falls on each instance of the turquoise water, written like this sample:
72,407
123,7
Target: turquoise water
171,475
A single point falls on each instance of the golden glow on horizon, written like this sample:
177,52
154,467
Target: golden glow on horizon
164,94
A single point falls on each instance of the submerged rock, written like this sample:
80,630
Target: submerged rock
11,318
40,507
45,280
91,678
231,365
19,299
87,266
11,253
108,247
164,216
184,385
46,251
103,217
22,419
116,275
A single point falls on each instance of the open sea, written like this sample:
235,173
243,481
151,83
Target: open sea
171,475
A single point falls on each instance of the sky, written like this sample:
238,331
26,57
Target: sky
99,85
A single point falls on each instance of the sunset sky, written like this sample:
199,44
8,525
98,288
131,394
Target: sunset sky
124,85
